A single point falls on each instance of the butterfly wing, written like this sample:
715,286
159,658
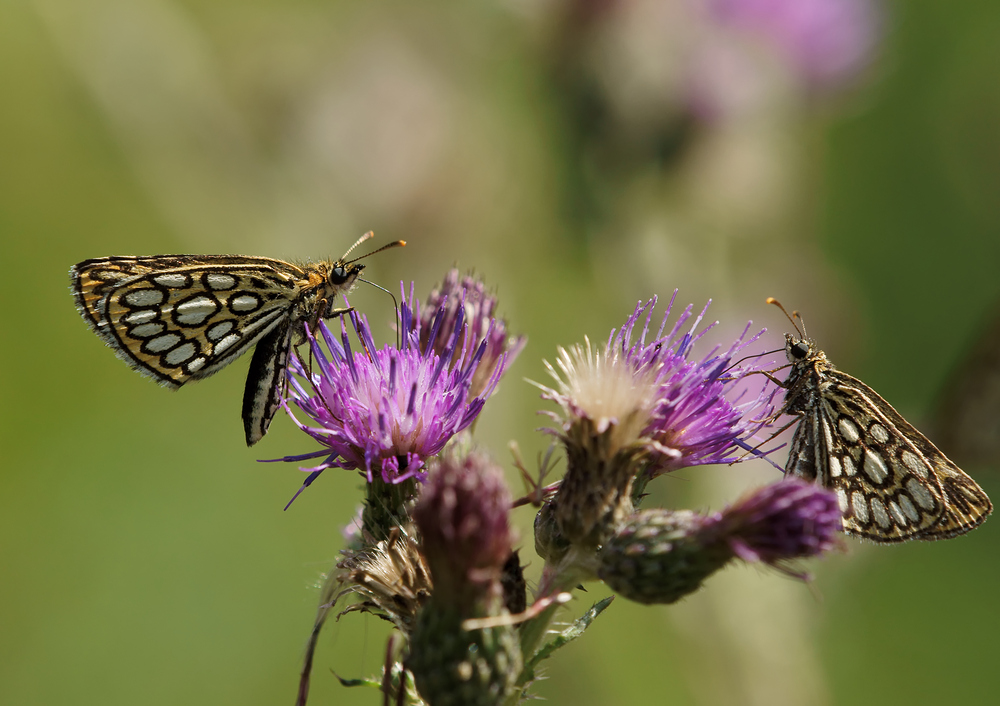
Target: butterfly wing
176,318
892,483
262,394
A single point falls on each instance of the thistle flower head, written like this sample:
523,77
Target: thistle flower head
606,389
685,412
660,556
466,300
462,517
386,410
790,519
638,406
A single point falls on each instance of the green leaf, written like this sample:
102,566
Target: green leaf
565,637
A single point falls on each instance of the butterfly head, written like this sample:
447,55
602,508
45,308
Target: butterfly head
800,349
344,272
342,275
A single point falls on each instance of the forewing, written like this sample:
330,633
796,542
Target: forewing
892,482
182,317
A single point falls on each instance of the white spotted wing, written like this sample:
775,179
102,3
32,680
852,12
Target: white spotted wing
184,317
892,483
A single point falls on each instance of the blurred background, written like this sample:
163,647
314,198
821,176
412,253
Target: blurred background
840,155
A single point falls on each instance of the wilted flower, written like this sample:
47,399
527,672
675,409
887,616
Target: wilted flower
392,580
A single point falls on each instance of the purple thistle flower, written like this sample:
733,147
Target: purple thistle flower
660,556
789,519
689,413
386,410
636,409
704,414
441,318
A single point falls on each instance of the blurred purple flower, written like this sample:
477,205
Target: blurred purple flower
827,41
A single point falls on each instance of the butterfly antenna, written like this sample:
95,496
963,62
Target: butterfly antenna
791,317
755,355
395,304
367,236
798,316
363,238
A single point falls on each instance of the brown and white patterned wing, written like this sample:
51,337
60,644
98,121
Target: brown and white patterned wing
181,317
892,483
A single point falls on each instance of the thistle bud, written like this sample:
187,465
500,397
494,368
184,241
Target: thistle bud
462,518
660,556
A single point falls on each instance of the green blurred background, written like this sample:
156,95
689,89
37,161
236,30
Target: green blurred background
580,156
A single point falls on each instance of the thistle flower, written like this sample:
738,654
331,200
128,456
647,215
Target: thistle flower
790,519
386,410
638,407
465,536
442,316
660,556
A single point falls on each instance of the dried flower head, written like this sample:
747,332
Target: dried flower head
390,576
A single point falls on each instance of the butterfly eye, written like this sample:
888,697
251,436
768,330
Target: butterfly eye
338,275
800,350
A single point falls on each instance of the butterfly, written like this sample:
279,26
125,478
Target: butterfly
892,483
177,318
